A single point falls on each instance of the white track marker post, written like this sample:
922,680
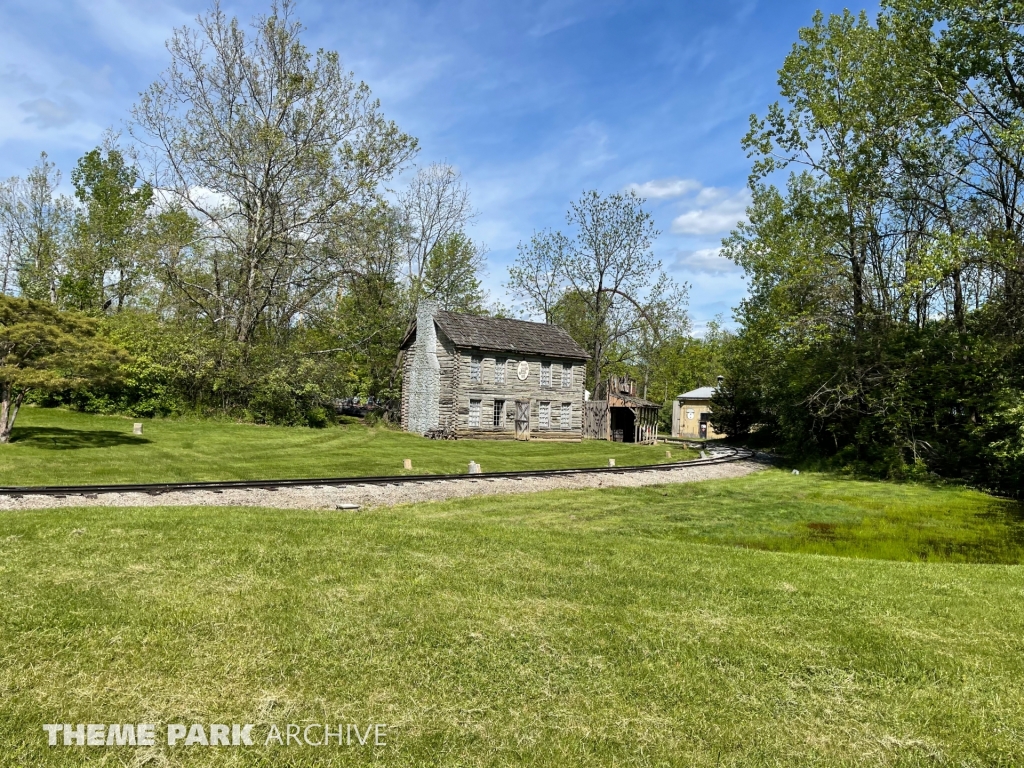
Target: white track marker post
137,428
611,462
474,468
407,463
668,454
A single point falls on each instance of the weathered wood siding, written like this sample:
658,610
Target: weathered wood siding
595,420
487,391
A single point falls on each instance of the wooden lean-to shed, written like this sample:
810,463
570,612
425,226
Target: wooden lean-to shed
490,377
616,413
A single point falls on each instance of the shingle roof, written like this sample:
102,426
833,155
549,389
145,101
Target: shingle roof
631,401
701,393
496,334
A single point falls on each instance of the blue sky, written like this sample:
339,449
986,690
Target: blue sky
534,101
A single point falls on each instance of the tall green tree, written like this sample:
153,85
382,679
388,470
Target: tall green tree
365,327
109,233
536,276
452,275
882,327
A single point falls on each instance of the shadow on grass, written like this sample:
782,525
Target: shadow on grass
994,542
58,439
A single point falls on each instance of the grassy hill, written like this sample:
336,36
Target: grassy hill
57,447
559,629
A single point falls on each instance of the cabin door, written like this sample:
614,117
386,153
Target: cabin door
522,419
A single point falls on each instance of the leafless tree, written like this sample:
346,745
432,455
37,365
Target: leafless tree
604,276
34,228
436,206
536,275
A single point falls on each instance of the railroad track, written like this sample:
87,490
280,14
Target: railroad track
722,456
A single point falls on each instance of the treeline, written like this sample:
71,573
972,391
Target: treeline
240,241
885,247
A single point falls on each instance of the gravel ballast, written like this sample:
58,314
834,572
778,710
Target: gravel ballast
369,496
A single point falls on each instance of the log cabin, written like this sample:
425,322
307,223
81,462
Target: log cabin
489,377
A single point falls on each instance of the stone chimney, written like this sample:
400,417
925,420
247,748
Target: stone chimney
425,372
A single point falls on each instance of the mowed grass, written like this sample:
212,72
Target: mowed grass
557,629
59,447
822,514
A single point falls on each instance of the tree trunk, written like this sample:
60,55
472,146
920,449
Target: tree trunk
857,268
958,302
9,406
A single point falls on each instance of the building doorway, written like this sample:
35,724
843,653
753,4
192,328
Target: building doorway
623,425
522,419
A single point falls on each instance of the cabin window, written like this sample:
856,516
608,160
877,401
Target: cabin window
474,413
544,416
566,376
474,369
565,418
499,372
545,374
499,413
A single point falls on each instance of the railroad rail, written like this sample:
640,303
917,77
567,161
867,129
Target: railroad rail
722,456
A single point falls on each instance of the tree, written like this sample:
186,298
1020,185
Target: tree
271,148
882,329
436,208
612,286
451,275
36,225
970,66
42,348
368,320
110,232
536,275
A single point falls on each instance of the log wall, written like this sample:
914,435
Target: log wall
487,390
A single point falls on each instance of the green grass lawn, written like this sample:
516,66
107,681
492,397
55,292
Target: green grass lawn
58,447
558,629
821,514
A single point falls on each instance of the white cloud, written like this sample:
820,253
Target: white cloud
659,189
707,261
713,211
47,113
209,198
705,210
